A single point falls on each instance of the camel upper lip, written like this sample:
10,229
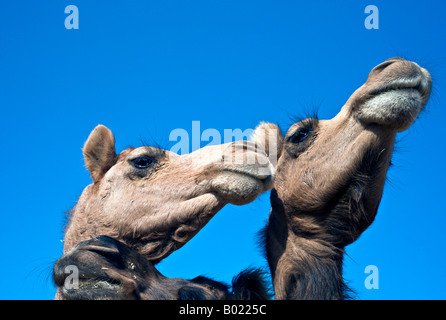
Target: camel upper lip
418,83
260,168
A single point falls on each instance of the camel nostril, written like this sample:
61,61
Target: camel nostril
106,247
112,256
385,64
394,59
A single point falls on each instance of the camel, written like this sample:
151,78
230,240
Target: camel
111,270
154,200
330,177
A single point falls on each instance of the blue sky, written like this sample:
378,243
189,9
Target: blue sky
145,68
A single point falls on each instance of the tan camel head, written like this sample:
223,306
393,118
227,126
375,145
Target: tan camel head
107,269
327,168
330,173
155,200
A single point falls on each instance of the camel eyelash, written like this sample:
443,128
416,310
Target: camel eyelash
304,129
309,114
309,123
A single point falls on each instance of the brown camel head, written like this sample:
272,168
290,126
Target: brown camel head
104,268
330,173
155,200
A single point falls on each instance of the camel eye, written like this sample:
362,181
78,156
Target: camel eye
142,162
301,135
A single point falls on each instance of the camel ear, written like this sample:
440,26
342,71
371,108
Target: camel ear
99,152
268,137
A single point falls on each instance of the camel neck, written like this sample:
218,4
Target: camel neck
302,267
309,269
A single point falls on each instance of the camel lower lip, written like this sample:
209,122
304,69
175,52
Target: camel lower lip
96,283
95,288
407,98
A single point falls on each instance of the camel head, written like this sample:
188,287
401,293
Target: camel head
155,200
104,268
330,174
